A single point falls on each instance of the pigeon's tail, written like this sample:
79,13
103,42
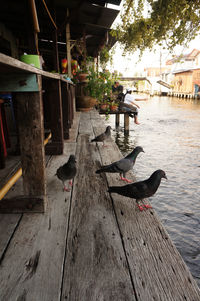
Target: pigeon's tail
104,169
114,189
93,140
112,168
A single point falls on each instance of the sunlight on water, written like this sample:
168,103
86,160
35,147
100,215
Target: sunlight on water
170,136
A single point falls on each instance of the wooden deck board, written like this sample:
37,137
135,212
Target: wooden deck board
90,246
38,246
157,269
8,225
95,266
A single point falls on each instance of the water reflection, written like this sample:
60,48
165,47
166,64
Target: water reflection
170,136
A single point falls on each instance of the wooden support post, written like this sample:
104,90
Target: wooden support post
65,110
53,107
31,132
72,101
117,120
55,51
68,47
126,123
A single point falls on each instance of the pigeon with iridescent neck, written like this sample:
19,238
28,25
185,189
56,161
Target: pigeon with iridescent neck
67,172
122,166
142,189
104,136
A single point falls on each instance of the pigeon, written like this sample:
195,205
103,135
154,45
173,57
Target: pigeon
122,166
67,172
104,136
142,189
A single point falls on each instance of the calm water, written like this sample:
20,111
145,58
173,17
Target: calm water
170,136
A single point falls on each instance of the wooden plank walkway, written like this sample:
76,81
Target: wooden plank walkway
89,245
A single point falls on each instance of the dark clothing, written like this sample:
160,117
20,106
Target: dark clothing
120,97
118,89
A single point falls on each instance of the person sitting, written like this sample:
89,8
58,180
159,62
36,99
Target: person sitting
115,87
120,96
129,105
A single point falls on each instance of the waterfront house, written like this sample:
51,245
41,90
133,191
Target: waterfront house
186,82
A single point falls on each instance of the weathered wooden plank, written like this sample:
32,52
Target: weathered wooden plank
65,110
158,271
95,265
53,103
31,129
33,263
74,129
85,126
117,120
126,123
8,224
21,204
19,82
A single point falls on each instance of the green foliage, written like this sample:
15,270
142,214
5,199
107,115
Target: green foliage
106,56
146,23
99,84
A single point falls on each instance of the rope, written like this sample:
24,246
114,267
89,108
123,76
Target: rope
48,12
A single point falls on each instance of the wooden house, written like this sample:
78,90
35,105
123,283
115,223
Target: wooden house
40,98
187,82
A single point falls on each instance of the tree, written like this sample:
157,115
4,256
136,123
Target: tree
146,23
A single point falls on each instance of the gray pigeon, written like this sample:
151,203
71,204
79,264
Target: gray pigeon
142,189
122,166
104,136
67,172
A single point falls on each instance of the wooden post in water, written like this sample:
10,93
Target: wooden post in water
126,123
117,119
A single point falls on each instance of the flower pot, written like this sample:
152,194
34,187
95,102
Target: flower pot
113,108
85,103
82,77
104,107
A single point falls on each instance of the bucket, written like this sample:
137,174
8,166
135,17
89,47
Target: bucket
31,59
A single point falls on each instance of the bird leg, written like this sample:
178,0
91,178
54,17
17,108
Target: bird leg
147,206
125,179
70,183
65,188
140,207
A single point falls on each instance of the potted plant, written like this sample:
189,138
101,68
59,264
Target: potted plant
99,85
104,105
82,74
113,106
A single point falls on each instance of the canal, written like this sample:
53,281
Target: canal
169,133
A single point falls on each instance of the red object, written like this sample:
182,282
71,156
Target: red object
64,65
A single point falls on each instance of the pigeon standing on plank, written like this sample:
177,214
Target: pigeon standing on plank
142,189
122,166
104,136
67,172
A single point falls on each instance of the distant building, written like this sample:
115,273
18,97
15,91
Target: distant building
187,81
185,61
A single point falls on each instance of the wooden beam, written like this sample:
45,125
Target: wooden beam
65,110
55,51
126,123
53,107
31,132
22,204
117,120
68,46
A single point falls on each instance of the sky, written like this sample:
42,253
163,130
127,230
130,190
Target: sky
129,65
